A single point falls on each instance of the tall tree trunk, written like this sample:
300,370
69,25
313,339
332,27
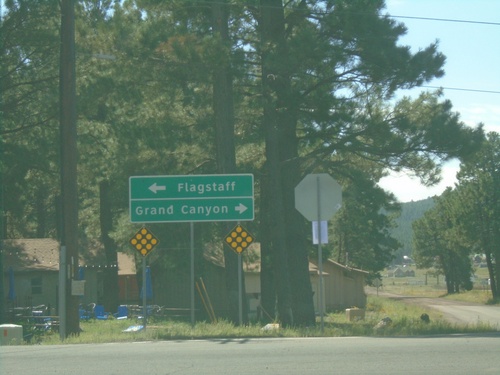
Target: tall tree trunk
487,246
41,212
496,280
267,274
280,121
298,261
277,218
275,85
491,273
3,237
226,154
111,271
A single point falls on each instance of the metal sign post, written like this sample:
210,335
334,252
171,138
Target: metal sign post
240,291
192,271
238,240
320,258
144,242
144,294
318,197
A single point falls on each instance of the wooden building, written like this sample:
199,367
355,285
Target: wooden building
35,266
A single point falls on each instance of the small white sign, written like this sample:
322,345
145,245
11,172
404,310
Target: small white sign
324,232
77,287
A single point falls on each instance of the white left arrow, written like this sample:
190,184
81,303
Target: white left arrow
241,208
155,188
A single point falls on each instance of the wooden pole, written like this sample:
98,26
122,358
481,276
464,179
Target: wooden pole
69,231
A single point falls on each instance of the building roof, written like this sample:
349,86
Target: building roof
31,254
251,259
347,268
42,254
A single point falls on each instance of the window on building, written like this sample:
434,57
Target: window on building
36,285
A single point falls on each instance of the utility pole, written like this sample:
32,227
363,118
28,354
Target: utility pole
68,304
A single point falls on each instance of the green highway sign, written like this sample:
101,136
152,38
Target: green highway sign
160,199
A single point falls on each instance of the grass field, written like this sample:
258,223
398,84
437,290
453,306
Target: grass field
426,284
405,321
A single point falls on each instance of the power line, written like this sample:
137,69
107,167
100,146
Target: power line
462,89
419,18
446,20
387,14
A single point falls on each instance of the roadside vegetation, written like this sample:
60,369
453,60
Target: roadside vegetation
405,320
426,283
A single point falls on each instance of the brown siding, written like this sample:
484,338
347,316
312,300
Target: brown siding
344,287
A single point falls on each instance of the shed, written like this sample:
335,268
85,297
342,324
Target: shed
35,264
344,286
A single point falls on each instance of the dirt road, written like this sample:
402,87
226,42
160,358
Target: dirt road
454,311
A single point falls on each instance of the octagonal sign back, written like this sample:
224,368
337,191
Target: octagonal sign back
318,197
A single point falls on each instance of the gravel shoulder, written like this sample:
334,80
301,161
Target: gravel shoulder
456,312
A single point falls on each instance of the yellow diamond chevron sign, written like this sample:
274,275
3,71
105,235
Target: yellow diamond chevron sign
144,241
239,239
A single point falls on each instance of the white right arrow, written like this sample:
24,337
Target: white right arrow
241,208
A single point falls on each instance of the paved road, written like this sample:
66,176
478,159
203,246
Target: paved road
446,355
456,311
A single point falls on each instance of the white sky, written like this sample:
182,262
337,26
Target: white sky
473,62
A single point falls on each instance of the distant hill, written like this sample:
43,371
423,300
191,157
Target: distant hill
410,212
